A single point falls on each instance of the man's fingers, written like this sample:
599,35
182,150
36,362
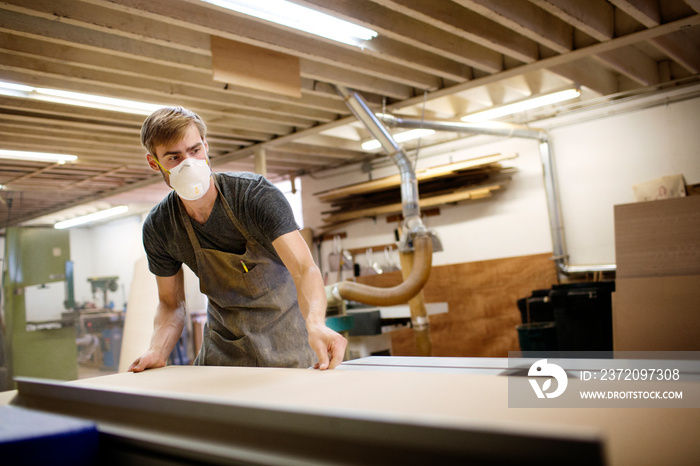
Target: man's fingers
134,365
337,352
322,354
136,368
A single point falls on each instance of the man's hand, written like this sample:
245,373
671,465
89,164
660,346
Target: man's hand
148,360
167,324
328,345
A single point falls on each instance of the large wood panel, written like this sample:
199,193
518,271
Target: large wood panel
482,300
255,415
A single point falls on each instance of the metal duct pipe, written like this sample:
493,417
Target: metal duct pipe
521,131
493,128
409,184
555,221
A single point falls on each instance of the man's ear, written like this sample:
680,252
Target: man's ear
152,162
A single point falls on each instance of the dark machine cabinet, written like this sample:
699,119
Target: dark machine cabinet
570,317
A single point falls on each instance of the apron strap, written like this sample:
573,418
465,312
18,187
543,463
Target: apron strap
229,212
188,226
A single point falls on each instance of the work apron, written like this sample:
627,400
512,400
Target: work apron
253,317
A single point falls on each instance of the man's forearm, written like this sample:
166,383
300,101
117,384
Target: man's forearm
312,297
167,329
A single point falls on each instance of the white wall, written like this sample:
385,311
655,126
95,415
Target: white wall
109,249
599,161
599,157
294,198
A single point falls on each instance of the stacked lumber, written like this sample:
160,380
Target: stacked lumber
471,179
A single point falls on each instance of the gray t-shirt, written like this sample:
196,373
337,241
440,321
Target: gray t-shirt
256,203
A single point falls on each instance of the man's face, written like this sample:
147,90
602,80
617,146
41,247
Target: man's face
171,155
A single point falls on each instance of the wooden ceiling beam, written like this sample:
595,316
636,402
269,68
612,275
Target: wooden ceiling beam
23,24
312,107
46,74
527,20
324,151
647,12
356,80
411,31
44,109
681,48
404,54
457,20
41,121
589,73
17,109
230,25
274,155
570,57
156,53
629,61
540,26
67,139
45,46
147,89
675,44
594,17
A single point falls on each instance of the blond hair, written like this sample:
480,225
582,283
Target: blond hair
167,125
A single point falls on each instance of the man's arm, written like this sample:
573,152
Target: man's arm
168,323
311,295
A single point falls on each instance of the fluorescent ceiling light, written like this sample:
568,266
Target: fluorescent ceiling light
101,215
523,105
37,156
77,98
399,137
298,17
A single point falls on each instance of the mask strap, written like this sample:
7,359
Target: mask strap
161,166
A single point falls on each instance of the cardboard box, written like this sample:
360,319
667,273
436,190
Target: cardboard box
657,314
658,238
666,187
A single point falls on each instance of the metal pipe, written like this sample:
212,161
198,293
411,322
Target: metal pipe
493,128
409,183
556,224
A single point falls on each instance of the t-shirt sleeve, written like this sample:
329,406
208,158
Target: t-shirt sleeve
160,262
270,210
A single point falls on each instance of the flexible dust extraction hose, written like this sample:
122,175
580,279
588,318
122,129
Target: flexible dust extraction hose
399,294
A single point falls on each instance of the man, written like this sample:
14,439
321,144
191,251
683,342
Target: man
236,232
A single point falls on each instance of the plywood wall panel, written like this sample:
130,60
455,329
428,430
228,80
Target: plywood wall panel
482,300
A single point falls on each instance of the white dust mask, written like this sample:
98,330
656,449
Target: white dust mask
191,179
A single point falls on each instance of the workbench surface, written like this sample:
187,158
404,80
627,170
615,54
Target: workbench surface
462,404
